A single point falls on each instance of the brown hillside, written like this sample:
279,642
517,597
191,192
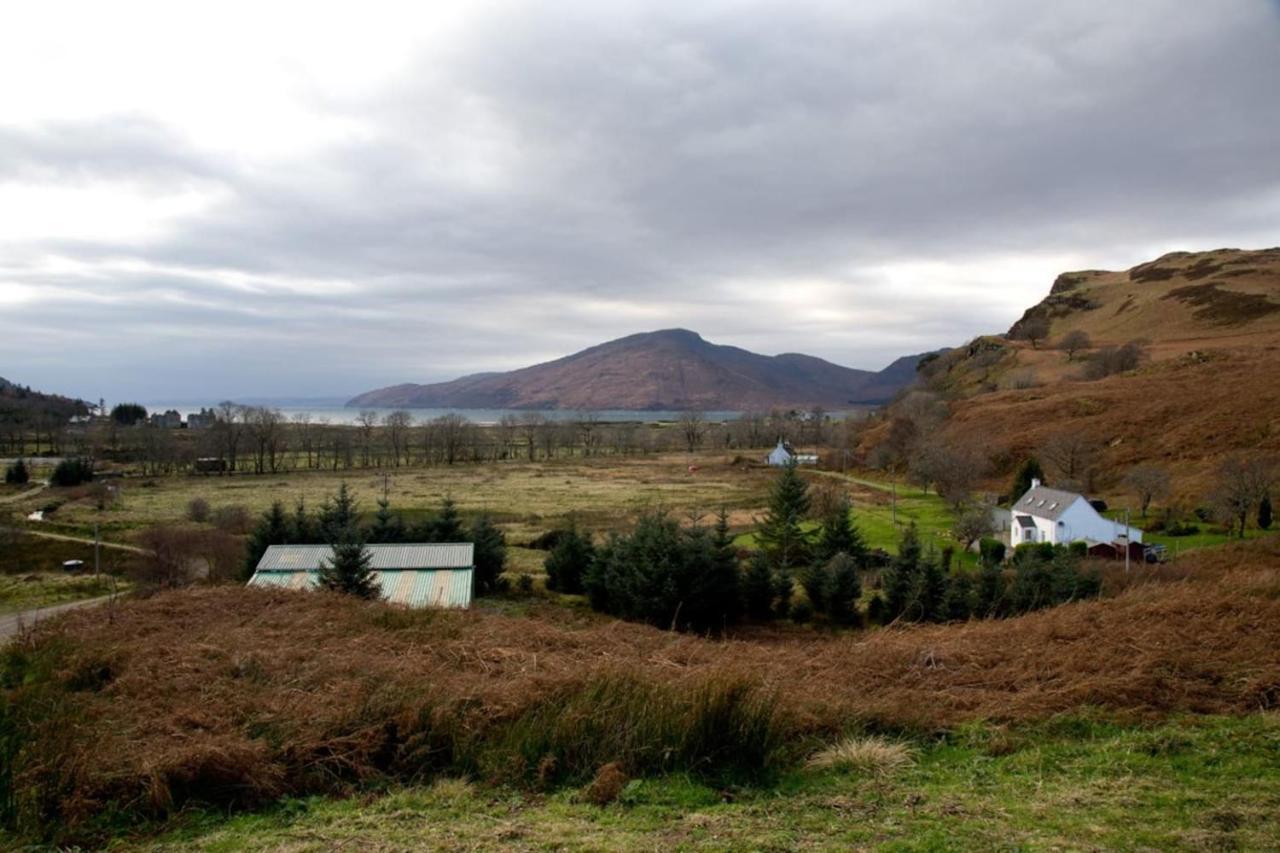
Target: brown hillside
1179,299
237,696
1207,385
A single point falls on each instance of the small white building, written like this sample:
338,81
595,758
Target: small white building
784,454
1060,518
780,455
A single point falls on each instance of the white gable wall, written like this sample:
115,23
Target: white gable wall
1078,522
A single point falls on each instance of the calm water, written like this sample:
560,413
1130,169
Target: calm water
336,413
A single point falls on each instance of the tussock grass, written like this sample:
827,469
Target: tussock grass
867,756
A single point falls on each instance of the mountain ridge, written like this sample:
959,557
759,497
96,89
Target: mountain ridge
667,369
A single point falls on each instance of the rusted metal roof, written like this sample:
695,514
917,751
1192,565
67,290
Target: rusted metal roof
410,587
447,555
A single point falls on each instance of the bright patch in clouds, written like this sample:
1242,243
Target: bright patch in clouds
300,198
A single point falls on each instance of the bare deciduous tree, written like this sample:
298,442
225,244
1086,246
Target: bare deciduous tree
1074,457
1242,482
1149,482
693,426
1073,342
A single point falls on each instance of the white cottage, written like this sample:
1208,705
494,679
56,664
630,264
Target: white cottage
1060,518
780,455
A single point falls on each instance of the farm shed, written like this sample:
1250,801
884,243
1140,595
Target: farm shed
416,575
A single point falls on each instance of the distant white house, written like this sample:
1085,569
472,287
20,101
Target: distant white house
784,454
1060,518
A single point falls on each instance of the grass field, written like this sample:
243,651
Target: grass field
1078,781
31,573
526,498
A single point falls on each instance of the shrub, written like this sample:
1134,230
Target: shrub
992,551
524,584
801,612
571,557
232,519
17,473
72,472
198,510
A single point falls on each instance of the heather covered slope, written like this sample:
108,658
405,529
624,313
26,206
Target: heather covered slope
232,698
1228,295
670,369
1206,327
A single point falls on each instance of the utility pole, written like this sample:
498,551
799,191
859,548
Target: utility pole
96,564
1126,540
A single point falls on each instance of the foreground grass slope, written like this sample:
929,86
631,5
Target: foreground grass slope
1074,781
233,698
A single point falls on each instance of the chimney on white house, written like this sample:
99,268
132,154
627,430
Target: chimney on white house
1035,483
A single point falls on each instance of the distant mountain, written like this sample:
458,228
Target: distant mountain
670,369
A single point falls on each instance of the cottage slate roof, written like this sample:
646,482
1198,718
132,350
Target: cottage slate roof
1044,502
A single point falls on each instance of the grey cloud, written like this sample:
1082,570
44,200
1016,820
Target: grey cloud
548,166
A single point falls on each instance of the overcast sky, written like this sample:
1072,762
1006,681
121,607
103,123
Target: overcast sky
277,199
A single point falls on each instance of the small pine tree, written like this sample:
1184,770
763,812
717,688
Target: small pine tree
303,529
783,587
816,580
338,515
444,526
758,588
1264,513
959,600
780,535
272,529
989,601
1029,470
490,554
933,590
839,535
17,474
569,561
387,527
349,569
844,592
723,587
902,588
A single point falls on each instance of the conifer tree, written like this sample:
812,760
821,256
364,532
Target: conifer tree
302,528
816,580
758,588
780,535
1264,513
569,561
723,586
349,570
783,587
933,589
989,601
844,591
876,610
839,535
903,585
959,600
387,527
444,526
272,529
17,473
490,553
338,515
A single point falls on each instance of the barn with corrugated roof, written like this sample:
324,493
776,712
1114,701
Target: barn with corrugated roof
416,575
